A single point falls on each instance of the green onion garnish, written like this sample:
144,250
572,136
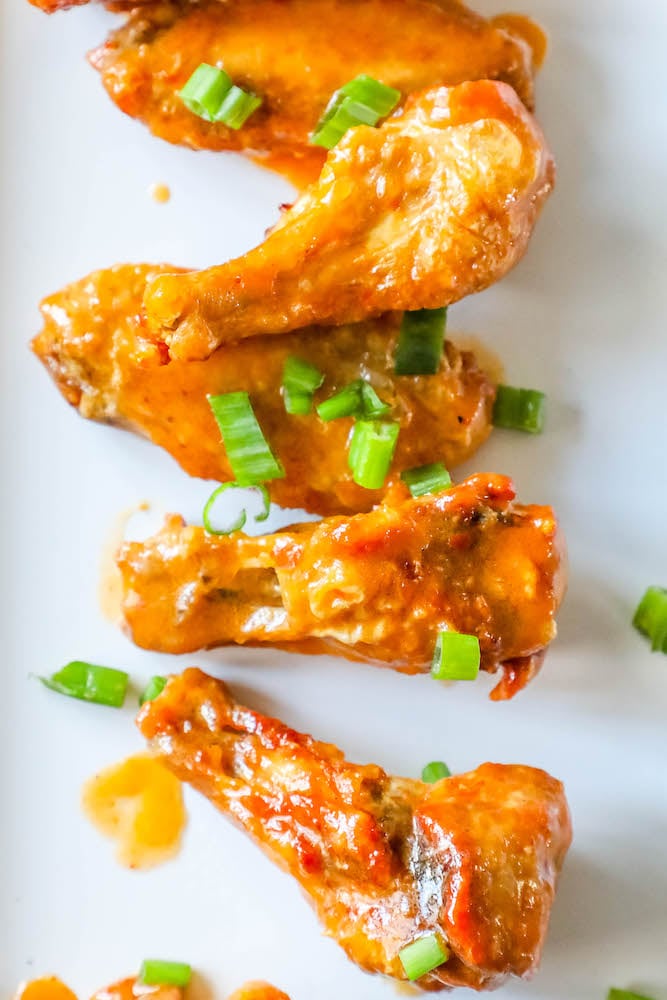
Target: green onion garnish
651,618
300,380
372,447
427,479
205,91
420,342
422,956
88,682
249,454
371,404
435,771
155,972
519,409
346,403
362,101
243,516
237,107
456,657
155,686
210,94
625,995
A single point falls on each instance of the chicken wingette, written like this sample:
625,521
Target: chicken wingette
377,587
94,345
435,204
51,988
473,859
294,55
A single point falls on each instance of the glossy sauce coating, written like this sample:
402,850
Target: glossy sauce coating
376,586
138,804
51,988
384,860
437,203
295,54
93,344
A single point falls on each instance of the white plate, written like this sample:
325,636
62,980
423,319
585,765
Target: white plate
583,317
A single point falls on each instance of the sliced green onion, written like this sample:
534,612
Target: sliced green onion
422,956
155,686
651,618
88,682
519,409
362,101
420,342
435,771
205,91
346,403
210,94
372,447
300,380
371,403
456,657
250,457
236,108
625,995
427,479
241,519
155,972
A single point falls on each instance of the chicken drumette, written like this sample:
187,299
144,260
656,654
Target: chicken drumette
94,345
473,859
377,587
435,204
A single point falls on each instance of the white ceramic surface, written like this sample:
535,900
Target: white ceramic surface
583,317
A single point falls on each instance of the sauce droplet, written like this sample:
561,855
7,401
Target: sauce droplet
139,804
486,358
45,988
160,193
110,589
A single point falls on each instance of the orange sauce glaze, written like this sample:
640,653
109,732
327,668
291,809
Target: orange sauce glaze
138,804
45,988
527,29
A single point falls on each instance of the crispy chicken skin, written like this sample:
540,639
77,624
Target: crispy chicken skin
375,587
435,204
384,860
408,44
93,344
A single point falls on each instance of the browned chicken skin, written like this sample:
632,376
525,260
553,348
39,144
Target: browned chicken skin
435,204
376,586
93,344
384,860
294,54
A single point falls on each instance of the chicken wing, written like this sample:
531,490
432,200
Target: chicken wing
132,989
437,203
376,587
295,54
473,858
94,345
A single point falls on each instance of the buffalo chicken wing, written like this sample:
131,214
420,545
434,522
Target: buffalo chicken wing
473,858
437,203
295,54
377,587
93,344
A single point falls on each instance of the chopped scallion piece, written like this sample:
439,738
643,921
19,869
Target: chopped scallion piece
205,91
371,403
427,479
435,771
155,972
247,449
362,101
300,380
88,682
372,447
625,995
519,409
236,108
155,686
420,342
456,657
242,517
422,956
651,618
346,403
